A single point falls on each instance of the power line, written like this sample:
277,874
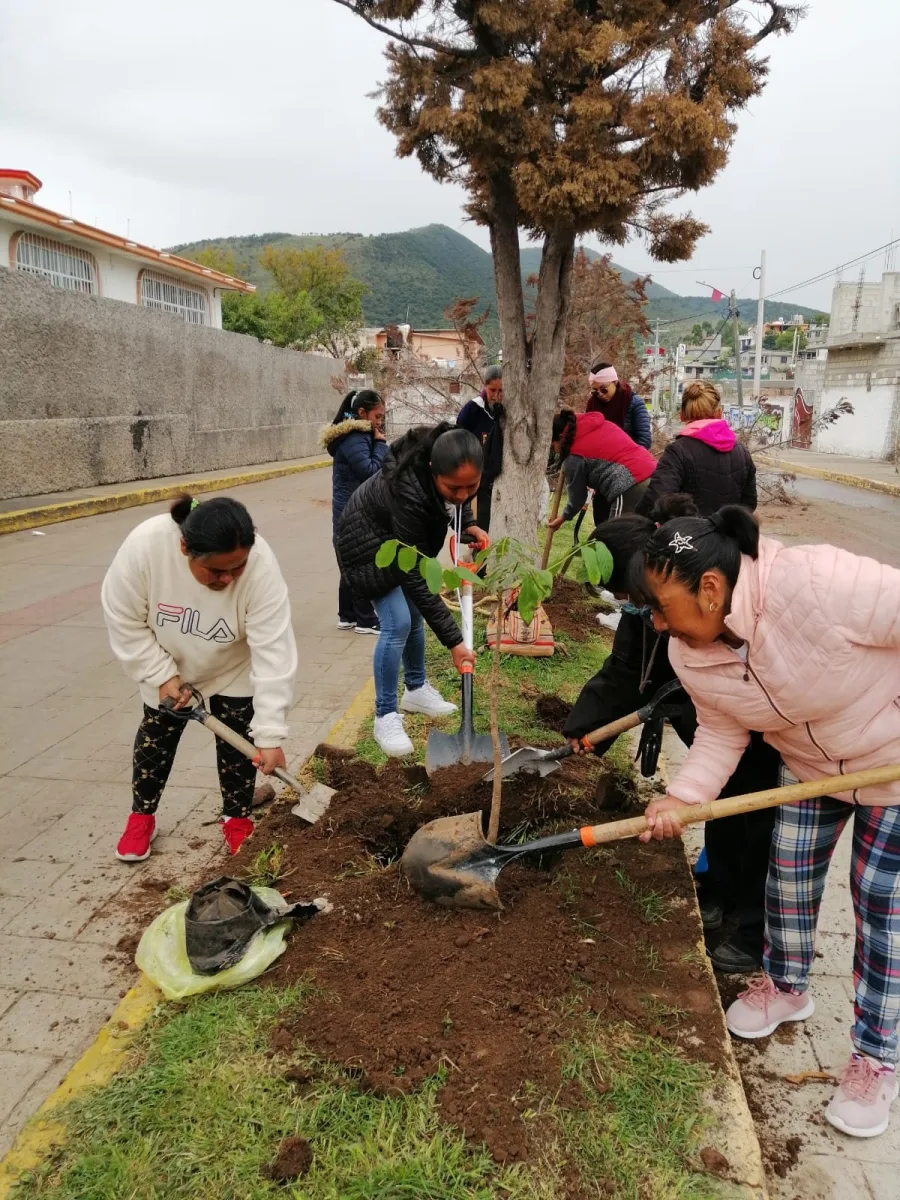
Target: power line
832,270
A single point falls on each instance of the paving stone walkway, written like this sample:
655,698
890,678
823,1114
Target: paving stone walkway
68,716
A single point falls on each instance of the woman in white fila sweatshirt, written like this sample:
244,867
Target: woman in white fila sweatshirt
197,597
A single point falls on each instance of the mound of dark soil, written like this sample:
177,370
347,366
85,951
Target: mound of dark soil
293,1160
407,987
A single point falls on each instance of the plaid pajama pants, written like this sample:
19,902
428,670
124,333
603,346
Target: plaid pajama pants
802,845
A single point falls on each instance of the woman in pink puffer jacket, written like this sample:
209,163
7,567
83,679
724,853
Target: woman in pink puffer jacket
803,644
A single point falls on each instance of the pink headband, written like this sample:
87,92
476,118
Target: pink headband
607,375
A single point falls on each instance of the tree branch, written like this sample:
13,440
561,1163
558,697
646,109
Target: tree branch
421,43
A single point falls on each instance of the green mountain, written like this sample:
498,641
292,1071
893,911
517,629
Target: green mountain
413,276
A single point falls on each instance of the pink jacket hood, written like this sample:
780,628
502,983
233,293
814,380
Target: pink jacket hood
715,431
822,677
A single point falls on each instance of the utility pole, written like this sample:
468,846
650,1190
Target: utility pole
737,350
656,370
757,366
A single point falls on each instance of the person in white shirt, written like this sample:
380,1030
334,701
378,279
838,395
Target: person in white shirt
196,597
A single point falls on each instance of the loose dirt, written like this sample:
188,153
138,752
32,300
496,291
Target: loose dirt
567,611
405,988
294,1159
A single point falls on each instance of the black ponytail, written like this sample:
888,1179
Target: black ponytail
217,526
626,538
564,429
364,398
688,547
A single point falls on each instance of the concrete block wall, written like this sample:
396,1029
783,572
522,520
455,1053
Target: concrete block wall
869,377
97,391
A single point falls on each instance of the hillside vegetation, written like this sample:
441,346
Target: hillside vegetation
416,274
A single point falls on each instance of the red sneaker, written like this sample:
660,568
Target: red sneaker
134,844
235,830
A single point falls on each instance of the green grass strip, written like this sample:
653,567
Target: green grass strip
203,1109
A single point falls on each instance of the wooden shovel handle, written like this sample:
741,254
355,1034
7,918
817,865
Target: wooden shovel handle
613,729
554,513
214,725
689,814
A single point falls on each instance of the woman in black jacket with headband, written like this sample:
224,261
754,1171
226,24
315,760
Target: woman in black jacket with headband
425,484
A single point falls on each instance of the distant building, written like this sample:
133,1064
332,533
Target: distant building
863,367
702,360
81,258
441,347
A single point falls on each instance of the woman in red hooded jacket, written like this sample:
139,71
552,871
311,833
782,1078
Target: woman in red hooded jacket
597,454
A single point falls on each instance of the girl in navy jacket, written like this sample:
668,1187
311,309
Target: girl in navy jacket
355,440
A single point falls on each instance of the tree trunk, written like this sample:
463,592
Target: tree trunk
532,367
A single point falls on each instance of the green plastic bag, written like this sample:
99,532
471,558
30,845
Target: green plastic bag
162,954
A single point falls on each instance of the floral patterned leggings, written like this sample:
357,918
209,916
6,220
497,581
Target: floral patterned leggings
154,752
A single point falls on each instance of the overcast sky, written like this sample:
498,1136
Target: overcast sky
203,118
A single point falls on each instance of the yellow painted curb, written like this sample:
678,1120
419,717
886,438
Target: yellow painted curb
857,481
733,1132
345,730
97,1066
90,506
105,1056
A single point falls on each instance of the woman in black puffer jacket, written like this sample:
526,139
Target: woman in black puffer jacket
425,484
705,459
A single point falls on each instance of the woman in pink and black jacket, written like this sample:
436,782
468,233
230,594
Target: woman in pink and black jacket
705,459
803,644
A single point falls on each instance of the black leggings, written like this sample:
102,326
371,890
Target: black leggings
154,752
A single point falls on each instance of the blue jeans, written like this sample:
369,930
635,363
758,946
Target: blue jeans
402,638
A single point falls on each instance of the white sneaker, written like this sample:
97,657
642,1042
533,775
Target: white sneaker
427,700
346,624
609,620
390,735
370,629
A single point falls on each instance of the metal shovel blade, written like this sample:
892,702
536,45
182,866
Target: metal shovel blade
448,862
314,803
528,759
451,749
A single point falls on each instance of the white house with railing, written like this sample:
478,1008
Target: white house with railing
81,258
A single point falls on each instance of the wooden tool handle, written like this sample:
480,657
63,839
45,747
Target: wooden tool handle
613,729
554,512
214,725
689,814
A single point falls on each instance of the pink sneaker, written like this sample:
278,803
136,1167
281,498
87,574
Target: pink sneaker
759,1010
862,1104
134,844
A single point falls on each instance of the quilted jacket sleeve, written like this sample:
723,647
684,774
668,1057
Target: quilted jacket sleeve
667,479
363,455
713,757
637,423
857,595
407,521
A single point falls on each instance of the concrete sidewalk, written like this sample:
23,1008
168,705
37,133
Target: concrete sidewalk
867,473
68,717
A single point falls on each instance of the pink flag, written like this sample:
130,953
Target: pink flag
717,295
